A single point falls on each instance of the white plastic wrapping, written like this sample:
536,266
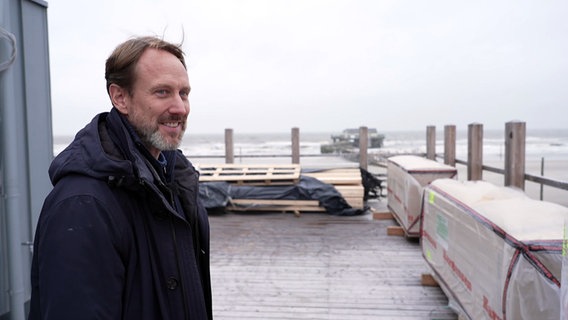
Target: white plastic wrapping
495,252
407,176
564,274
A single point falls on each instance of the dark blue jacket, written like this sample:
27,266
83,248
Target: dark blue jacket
119,238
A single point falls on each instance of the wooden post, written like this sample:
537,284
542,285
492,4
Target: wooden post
475,151
363,146
295,145
431,142
450,145
515,132
229,150
542,175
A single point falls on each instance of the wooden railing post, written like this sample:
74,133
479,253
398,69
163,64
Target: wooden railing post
431,142
295,145
363,147
515,132
229,147
450,145
475,151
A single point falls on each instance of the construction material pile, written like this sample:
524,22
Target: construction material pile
286,188
496,253
407,177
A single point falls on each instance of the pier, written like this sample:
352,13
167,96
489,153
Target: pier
313,265
318,266
512,170
277,265
280,265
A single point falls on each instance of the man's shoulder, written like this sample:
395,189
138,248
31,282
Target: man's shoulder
74,185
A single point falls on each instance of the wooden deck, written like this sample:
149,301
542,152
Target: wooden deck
317,266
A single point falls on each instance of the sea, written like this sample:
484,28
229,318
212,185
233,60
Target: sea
546,152
541,144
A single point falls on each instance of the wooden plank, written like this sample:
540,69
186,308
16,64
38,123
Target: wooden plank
278,205
267,182
275,202
295,209
347,181
237,166
249,173
395,231
355,202
341,180
340,176
334,171
426,279
352,194
274,266
351,191
275,205
333,174
387,215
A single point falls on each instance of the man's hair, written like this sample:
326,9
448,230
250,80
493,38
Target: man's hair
121,64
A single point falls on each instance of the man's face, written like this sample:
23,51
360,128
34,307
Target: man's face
159,104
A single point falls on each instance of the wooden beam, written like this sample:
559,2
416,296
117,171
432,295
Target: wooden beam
475,152
274,202
256,173
296,145
428,280
395,231
515,135
431,142
295,206
229,146
386,215
450,145
363,147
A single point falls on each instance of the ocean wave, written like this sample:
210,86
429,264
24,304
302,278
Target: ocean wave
547,144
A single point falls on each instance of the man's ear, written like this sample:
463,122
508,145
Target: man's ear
119,98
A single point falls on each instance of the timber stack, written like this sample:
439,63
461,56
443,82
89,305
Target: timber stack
347,181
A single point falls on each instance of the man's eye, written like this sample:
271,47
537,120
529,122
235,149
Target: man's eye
162,92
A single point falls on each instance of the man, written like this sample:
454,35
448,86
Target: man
123,234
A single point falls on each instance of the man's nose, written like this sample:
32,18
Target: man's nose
180,105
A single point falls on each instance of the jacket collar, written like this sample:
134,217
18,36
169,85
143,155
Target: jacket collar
127,135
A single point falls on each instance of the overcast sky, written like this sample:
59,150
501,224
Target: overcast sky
324,65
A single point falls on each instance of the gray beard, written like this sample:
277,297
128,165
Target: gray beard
157,141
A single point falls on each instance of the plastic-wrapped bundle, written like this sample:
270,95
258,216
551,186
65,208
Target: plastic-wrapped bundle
407,176
496,253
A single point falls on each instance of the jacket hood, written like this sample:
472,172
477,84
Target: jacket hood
93,154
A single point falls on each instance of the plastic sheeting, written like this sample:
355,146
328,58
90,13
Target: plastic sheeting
407,176
496,253
216,195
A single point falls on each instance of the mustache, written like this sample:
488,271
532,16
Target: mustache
173,119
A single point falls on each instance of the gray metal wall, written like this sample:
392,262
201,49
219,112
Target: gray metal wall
4,302
26,144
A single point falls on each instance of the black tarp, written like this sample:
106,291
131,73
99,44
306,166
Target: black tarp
216,195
